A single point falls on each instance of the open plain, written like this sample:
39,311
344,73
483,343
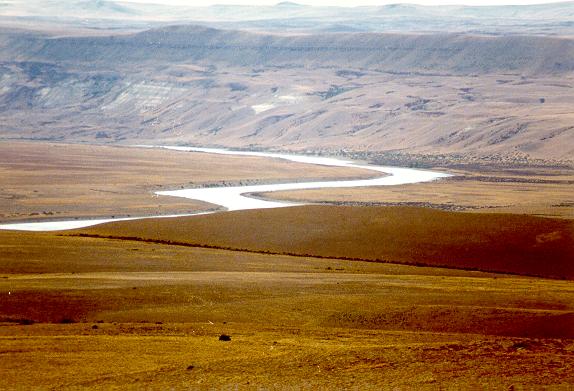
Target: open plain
41,181
461,283
312,296
101,313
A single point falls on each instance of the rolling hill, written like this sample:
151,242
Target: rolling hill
427,93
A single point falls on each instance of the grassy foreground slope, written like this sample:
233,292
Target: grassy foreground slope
130,314
492,242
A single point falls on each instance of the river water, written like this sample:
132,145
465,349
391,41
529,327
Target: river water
236,197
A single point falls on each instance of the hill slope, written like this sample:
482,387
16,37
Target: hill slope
421,93
435,53
503,243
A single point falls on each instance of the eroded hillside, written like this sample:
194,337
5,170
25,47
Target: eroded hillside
421,93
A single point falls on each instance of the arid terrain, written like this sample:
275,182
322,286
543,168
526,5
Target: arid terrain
132,314
508,97
312,296
465,282
42,181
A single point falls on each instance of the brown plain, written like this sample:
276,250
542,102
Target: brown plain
534,191
490,242
48,181
130,314
142,304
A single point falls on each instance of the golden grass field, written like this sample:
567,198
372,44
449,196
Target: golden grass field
141,304
144,312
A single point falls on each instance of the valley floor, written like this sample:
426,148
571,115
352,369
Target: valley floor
44,181
536,191
312,297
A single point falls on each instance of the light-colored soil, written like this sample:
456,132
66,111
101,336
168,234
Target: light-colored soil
494,115
48,181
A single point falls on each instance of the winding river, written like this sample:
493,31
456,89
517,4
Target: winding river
236,197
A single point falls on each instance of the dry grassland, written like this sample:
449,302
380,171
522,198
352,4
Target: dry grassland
493,242
50,181
142,304
119,313
533,191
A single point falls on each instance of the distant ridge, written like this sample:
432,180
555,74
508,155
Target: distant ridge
287,4
426,53
540,19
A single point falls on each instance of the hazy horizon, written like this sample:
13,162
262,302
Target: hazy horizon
348,3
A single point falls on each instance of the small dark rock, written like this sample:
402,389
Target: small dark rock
520,346
189,368
102,134
224,337
95,327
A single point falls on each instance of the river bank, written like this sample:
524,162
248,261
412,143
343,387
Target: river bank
233,197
